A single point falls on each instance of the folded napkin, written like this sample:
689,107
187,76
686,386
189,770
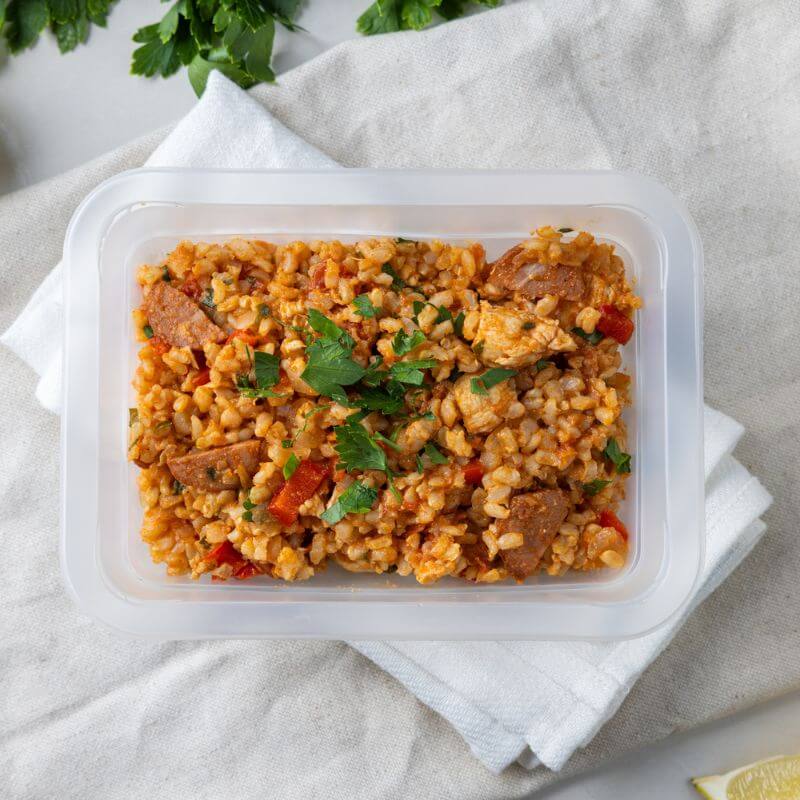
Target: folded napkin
536,702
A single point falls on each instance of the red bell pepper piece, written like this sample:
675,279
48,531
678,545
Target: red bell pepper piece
305,481
608,519
225,553
247,570
245,336
473,472
615,324
201,378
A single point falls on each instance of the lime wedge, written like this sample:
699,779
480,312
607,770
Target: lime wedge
775,778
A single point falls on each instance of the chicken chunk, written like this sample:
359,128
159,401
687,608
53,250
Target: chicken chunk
178,320
537,516
515,339
518,270
483,412
217,469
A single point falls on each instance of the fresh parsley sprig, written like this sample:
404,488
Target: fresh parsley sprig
265,372
357,498
620,460
491,377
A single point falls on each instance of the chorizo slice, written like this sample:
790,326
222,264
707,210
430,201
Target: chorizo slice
517,270
537,516
178,320
217,469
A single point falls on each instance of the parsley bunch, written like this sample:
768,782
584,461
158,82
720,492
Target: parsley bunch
232,36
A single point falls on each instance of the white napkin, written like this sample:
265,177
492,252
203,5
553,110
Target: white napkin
536,702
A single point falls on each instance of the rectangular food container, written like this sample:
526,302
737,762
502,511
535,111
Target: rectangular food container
138,216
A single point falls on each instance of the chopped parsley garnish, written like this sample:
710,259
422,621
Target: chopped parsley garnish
404,343
565,230
388,399
263,310
248,505
411,371
357,448
592,338
388,442
211,473
355,499
594,487
208,298
133,416
526,326
620,460
290,466
330,368
541,364
397,282
434,454
401,240
162,426
417,306
374,374
458,323
329,329
287,443
177,487
491,377
477,348
420,466
364,307
266,369
166,276
147,331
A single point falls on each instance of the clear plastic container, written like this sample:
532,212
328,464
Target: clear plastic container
138,216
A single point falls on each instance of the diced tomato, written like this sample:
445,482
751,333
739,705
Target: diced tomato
245,336
615,324
305,481
158,346
608,519
191,288
473,472
201,378
317,277
225,553
247,570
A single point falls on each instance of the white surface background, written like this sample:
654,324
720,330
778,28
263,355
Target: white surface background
56,113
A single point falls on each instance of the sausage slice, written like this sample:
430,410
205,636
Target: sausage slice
537,516
517,270
177,320
214,470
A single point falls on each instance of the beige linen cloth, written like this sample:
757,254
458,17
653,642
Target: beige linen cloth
704,99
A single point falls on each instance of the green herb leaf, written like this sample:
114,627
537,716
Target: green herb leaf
364,307
147,331
329,329
592,338
330,368
420,466
542,363
404,343
477,348
267,369
490,378
287,443
401,240
388,399
263,310
411,371
356,448
620,460
165,275
527,326
208,298
594,487
355,499
565,230
177,487
290,466
458,324
133,416
434,454
397,282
